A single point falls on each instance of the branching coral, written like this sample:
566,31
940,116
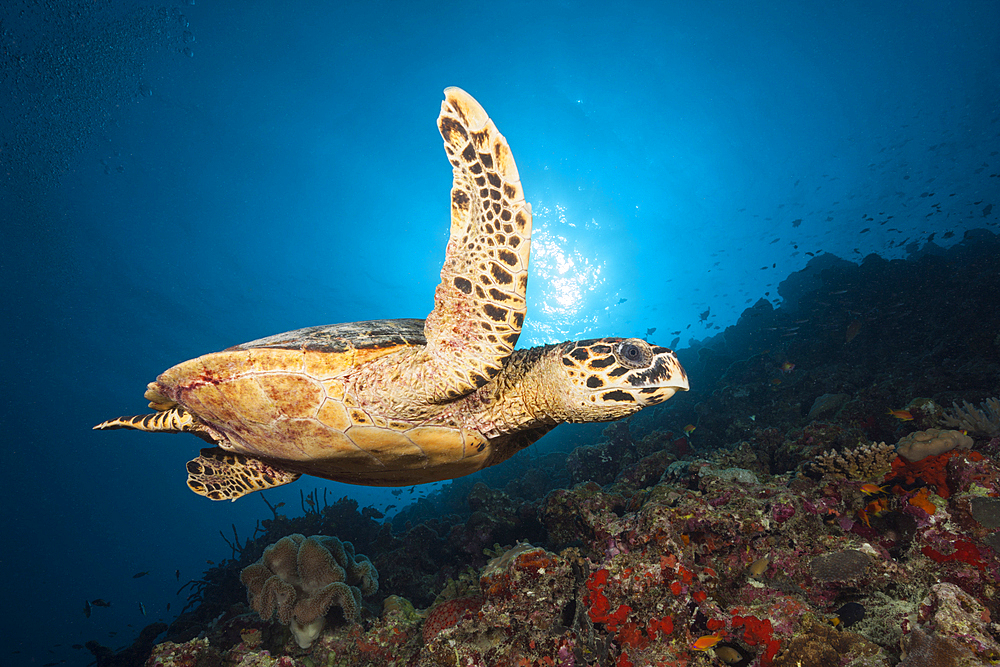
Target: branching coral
298,579
983,421
866,462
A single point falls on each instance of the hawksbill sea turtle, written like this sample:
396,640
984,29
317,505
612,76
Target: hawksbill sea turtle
401,402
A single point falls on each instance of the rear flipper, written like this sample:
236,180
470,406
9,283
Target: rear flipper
222,475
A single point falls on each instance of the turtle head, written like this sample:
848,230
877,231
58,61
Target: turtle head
610,378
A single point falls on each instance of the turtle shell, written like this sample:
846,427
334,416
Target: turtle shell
291,400
370,335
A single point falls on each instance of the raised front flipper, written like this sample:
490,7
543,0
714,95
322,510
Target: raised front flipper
479,305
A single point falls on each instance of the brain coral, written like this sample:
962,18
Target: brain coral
840,565
299,578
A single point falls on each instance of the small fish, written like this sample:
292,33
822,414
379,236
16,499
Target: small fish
281,504
872,489
728,654
689,429
650,331
396,492
210,562
759,566
168,606
142,608
852,330
902,415
706,642
100,603
177,573
787,367
140,574
389,507
875,508
86,608
621,301
848,615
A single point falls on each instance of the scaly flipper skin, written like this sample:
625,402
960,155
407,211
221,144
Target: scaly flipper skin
221,475
479,305
171,420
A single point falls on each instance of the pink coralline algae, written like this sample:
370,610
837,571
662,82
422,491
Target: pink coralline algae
782,512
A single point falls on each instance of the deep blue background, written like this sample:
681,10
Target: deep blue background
177,180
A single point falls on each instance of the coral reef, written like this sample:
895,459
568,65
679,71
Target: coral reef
921,444
983,421
298,579
952,628
840,565
865,462
736,523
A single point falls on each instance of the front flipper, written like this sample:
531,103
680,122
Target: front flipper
218,474
172,420
479,305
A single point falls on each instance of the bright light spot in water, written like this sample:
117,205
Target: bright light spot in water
562,277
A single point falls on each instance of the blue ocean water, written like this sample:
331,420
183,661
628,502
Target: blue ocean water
177,179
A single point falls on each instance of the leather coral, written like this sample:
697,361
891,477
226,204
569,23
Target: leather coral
298,579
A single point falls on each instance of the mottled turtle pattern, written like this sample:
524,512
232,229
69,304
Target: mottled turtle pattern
400,402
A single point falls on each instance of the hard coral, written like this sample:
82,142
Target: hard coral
840,565
298,579
822,645
866,462
921,444
447,614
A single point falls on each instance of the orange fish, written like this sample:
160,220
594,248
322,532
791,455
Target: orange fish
706,642
787,367
902,415
872,489
874,508
689,429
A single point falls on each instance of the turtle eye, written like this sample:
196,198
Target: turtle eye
633,354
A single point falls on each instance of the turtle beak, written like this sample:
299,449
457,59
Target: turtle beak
667,378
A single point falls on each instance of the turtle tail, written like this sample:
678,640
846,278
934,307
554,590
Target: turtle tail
174,420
